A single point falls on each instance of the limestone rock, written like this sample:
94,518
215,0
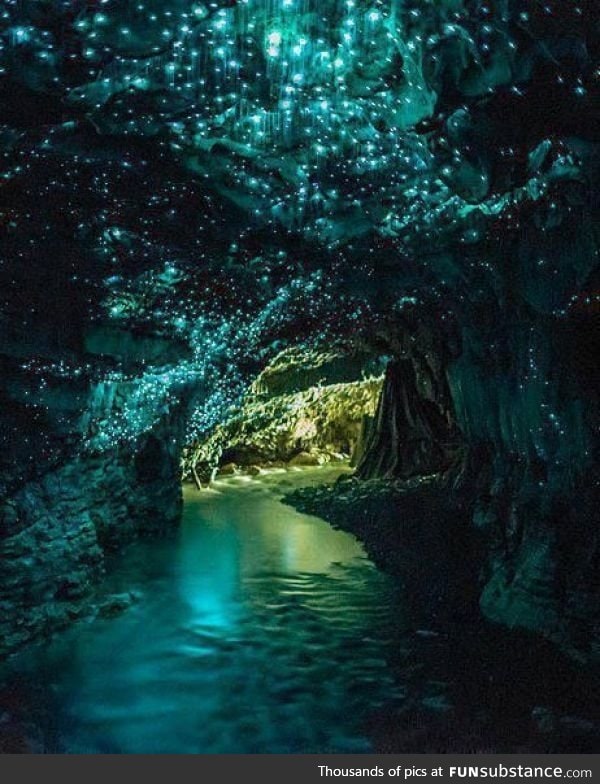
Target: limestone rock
305,459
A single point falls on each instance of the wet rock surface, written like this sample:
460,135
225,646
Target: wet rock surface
58,531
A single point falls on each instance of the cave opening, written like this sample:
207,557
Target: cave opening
380,402
306,408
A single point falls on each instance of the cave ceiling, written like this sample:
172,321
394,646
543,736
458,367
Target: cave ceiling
234,176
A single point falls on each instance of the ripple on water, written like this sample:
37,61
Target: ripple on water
259,630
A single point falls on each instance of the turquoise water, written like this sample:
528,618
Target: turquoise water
257,629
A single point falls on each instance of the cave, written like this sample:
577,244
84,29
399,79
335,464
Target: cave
299,406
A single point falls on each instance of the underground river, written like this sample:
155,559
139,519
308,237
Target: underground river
259,629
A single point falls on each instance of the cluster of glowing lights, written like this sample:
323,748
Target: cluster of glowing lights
308,124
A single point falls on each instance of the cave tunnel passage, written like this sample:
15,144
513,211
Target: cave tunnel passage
386,417
259,627
191,188
250,597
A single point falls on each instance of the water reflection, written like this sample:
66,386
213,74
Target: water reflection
259,630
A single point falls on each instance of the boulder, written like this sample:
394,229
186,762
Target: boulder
305,459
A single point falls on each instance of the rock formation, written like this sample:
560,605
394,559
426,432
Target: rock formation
188,189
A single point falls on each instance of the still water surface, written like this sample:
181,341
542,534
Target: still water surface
258,629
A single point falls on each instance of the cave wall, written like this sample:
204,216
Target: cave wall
58,530
189,188
414,432
59,521
91,437
510,423
526,396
